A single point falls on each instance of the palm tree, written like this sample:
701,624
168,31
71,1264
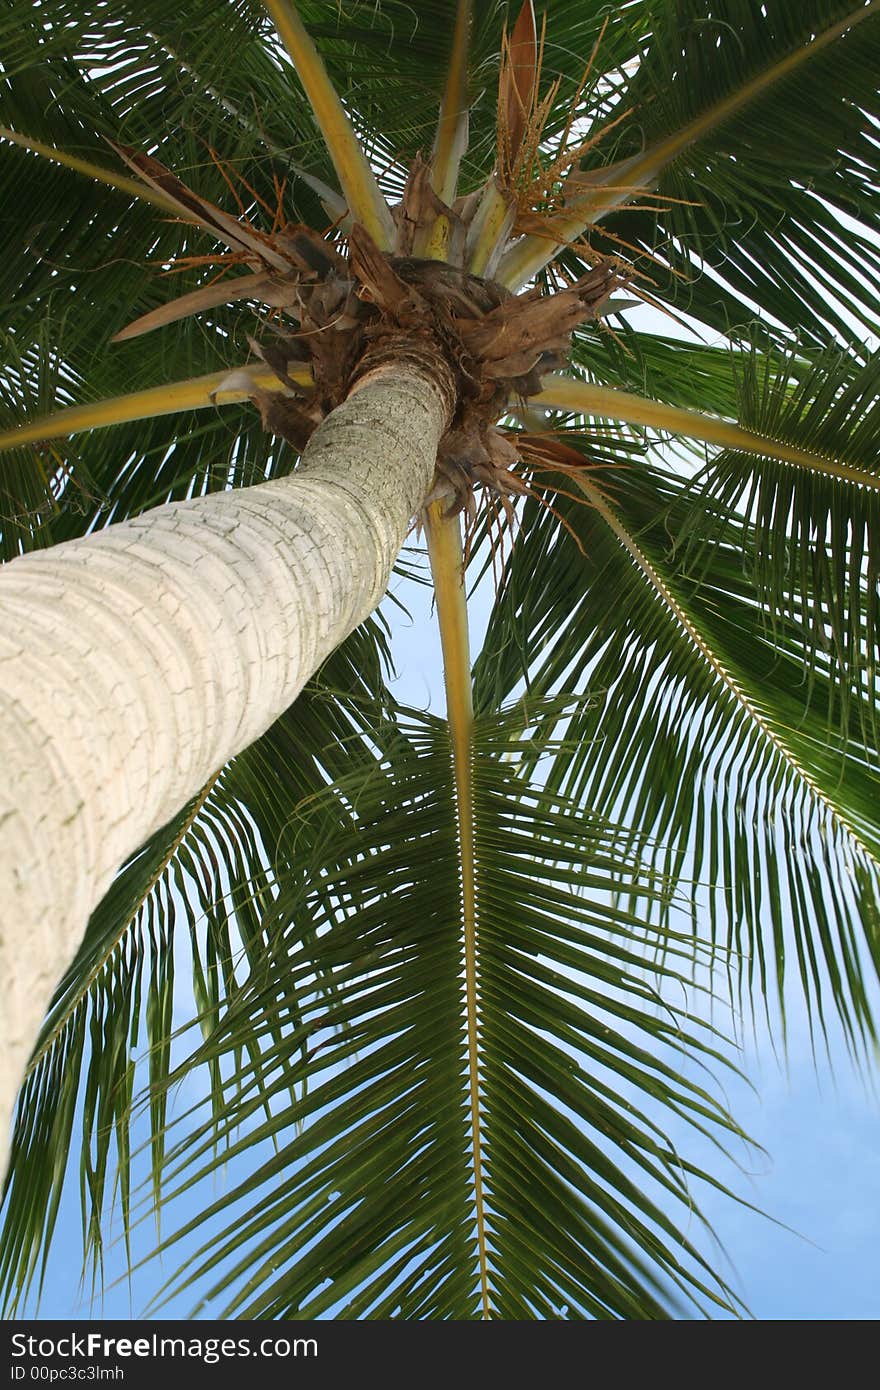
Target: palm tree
452,976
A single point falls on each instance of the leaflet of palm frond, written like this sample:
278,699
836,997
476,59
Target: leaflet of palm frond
734,700
809,535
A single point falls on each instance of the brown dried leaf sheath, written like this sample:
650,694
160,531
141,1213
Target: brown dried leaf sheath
350,312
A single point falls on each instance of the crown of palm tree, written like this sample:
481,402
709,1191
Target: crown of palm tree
438,964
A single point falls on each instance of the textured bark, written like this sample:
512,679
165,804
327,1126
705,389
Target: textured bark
136,662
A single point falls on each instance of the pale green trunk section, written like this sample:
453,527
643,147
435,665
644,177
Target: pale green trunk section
136,662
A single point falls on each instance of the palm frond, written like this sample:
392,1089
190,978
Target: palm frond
809,537
725,747
582,398
227,387
787,224
365,1206
686,373
55,491
108,177
156,83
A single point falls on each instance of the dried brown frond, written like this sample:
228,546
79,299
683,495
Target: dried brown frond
419,210
518,79
495,509
484,491
225,259
535,175
547,452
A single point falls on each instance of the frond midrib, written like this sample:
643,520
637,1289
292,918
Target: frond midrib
447,564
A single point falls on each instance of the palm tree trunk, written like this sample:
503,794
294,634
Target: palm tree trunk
135,662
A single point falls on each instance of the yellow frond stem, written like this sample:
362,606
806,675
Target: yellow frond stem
130,187
447,569
491,226
227,387
451,139
358,181
582,398
436,247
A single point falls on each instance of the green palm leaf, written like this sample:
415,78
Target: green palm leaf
370,1184
731,727
762,216
787,250
811,546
